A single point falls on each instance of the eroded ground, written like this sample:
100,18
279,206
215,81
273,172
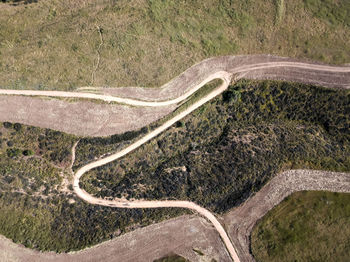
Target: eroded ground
80,117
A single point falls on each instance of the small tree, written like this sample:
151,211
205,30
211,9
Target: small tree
27,152
17,126
179,124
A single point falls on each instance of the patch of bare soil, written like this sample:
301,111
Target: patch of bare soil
180,235
90,119
240,221
80,117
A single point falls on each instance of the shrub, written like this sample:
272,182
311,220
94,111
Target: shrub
17,126
7,124
13,152
27,152
179,124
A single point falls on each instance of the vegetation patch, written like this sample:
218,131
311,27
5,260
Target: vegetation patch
33,161
91,148
216,157
35,195
231,146
334,12
306,226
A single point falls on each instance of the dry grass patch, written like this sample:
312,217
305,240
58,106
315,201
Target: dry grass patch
56,44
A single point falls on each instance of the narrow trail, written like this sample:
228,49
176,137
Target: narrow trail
219,74
95,67
158,204
73,155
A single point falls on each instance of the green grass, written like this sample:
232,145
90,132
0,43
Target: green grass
334,12
280,10
54,44
307,226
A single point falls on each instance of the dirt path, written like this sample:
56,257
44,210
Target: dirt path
69,117
226,77
240,71
337,72
240,221
73,156
157,204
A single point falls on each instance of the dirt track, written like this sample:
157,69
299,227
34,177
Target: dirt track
240,221
104,119
83,118
157,204
184,204
243,66
334,76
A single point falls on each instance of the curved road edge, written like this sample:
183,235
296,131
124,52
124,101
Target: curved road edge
241,220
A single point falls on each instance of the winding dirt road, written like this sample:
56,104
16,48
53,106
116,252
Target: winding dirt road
225,75
103,119
240,71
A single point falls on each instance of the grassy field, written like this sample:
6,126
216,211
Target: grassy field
67,44
307,226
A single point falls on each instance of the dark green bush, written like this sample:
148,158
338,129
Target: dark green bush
17,126
7,124
179,124
27,152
